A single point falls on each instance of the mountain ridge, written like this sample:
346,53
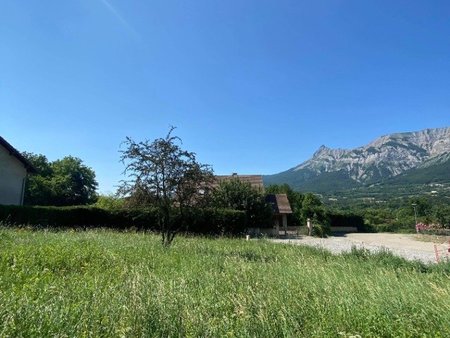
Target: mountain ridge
381,159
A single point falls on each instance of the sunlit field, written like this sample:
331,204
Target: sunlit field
111,284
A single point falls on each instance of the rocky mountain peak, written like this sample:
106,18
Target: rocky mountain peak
420,156
322,149
384,157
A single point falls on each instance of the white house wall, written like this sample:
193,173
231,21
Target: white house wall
12,176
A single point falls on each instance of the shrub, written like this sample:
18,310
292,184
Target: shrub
432,229
384,227
321,230
210,221
200,221
110,202
79,216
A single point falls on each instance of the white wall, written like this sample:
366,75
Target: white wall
12,175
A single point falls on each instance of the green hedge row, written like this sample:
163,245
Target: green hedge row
201,221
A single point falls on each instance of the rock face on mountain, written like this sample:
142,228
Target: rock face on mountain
386,157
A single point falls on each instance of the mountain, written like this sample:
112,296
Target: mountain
401,158
434,171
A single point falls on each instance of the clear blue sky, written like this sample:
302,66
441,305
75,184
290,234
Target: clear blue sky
253,86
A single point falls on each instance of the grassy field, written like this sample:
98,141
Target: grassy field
110,284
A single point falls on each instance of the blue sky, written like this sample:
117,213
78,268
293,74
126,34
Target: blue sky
252,86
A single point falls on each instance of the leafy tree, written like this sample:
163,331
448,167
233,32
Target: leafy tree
441,215
38,189
111,202
378,216
162,174
234,194
62,182
422,205
73,182
312,208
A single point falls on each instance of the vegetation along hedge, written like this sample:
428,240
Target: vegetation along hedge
202,221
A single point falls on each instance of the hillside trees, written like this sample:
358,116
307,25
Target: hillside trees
161,174
62,182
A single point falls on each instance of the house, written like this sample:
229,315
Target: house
279,202
281,208
13,172
255,181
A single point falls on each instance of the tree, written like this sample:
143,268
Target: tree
38,188
421,204
110,201
234,194
312,208
162,174
73,182
441,215
62,182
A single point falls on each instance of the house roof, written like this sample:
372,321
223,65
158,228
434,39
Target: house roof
14,152
280,203
255,181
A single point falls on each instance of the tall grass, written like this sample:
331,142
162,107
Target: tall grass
110,284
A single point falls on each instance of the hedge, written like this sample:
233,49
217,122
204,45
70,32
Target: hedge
201,221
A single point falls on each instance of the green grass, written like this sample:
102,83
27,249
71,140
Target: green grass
110,284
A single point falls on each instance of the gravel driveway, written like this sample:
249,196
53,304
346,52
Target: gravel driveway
404,245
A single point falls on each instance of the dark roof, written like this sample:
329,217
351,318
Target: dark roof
280,203
255,181
14,152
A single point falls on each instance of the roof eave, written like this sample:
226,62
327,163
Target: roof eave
14,152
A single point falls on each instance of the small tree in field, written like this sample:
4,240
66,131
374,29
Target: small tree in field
162,174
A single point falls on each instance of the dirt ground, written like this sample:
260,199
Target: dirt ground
405,245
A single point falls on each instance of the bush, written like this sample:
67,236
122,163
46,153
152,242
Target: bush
210,221
320,230
385,227
77,216
200,221
110,202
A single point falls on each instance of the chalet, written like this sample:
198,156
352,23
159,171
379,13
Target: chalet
13,172
281,208
255,181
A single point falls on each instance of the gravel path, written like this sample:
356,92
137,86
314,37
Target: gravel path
404,245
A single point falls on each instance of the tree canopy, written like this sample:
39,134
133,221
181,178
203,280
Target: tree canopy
62,182
238,195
